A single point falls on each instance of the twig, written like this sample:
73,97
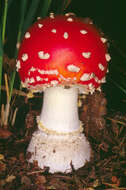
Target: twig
63,177
7,108
118,188
114,186
17,92
6,86
36,172
117,121
14,117
6,113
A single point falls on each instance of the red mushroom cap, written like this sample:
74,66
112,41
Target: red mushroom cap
62,50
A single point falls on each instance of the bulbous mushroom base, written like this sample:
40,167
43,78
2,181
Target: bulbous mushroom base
59,153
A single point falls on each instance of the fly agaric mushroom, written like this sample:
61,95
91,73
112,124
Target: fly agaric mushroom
59,52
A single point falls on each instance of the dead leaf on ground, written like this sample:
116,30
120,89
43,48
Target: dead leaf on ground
5,134
41,179
10,178
26,180
1,157
2,167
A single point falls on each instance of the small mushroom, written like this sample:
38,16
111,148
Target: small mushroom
63,52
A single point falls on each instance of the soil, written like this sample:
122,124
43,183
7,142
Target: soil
105,130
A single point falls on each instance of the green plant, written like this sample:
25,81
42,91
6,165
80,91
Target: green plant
2,39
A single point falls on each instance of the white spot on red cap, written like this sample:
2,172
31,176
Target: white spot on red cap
101,67
92,75
97,80
70,14
54,72
73,68
86,77
99,89
24,56
42,72
38,18
107,56
51,15
91,88
40,25
103,80
54,82
27,35
86,54
70,19
46,79
53,30
18,65
83,31
48,72
38,78
104,40
31,80
65,35
26,81
43,55
32,69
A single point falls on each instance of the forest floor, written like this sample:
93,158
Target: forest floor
105,131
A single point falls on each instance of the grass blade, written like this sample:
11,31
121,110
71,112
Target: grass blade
30,15
2,39
66,3
22,11
4,20
45,8
62,5
1,61
119,86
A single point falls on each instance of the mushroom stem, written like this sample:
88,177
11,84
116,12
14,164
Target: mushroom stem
59,112
59,142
